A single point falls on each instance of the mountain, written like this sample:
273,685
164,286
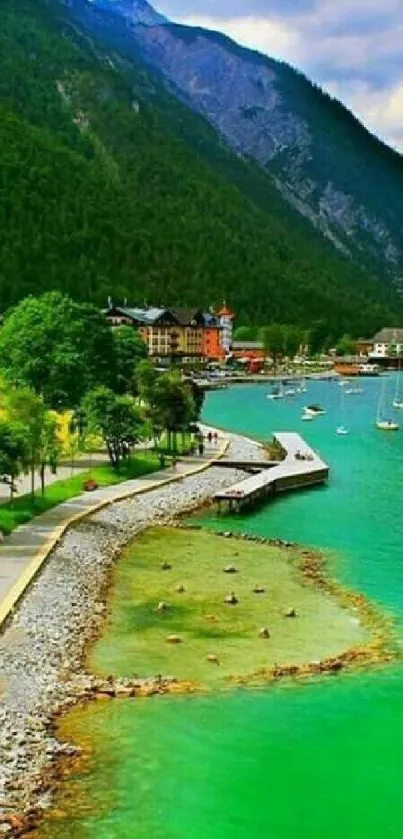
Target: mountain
110,184
133,11
323,161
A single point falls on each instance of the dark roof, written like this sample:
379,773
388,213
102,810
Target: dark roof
147,316
389,335
186,316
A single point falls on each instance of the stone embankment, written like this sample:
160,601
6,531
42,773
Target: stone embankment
42,648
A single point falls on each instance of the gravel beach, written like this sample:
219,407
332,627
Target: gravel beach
41,649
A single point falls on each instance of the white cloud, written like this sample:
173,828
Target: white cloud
272,37
351,47
380,110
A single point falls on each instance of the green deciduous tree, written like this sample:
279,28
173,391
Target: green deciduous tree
172,406
346,345
293,338
57,347
273,338
13,452
318,336
50,448
130,349
28,408
245,333
116,419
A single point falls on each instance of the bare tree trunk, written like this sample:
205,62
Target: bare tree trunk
42,474
32,482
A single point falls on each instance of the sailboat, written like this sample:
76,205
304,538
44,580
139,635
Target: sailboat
277,392
386,424
398,400
302,384
342,430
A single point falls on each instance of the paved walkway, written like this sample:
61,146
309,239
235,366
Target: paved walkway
25,549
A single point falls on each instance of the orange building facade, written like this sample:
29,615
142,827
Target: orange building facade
185,333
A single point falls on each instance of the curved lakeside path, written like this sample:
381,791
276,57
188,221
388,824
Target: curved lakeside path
43,642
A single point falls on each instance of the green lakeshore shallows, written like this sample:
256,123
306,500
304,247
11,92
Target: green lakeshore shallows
135,640
321,761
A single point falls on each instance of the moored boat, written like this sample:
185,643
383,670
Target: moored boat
314,411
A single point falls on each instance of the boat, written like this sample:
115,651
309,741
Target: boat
289,391
342,429
307,417
387,425
352,391
368,370
343,382
398,400
314,411
277,392
302,385
384,423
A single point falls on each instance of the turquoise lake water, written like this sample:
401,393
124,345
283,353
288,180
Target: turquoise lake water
322,761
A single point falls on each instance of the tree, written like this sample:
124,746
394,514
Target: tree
318,336
57,347
28,408
116,419
346,345
198,395
130,349
171,406
145,376
13,452
273,338
50,447
245,333
293,338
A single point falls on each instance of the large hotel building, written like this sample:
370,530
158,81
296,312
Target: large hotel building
185,333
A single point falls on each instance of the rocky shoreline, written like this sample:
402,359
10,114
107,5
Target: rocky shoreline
43,646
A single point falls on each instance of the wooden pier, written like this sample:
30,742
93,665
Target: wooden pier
302,467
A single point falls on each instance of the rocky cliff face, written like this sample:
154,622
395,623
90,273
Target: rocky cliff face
323,161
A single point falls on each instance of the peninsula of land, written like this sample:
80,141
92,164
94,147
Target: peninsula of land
183,610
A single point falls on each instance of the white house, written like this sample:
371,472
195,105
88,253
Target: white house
386,343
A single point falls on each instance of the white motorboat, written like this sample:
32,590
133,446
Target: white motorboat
342,431
314,411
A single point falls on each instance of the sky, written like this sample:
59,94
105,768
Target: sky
352,48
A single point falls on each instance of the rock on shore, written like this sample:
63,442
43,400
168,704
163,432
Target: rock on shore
41,649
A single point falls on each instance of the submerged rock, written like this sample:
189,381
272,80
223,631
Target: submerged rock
231,599
212,658
174,639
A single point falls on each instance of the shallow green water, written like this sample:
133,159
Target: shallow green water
320,762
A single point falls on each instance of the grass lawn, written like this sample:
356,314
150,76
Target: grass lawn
23,509
135,639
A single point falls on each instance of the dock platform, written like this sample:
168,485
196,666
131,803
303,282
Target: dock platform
302,467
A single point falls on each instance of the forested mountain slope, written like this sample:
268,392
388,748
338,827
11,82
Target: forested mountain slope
323,160
111,186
